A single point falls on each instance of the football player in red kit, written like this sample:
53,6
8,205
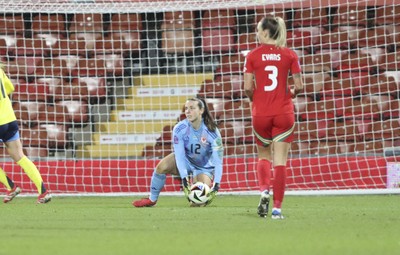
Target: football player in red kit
266,72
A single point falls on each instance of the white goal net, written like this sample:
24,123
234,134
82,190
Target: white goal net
100,85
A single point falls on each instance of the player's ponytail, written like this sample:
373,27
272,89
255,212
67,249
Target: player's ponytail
207,117
277,29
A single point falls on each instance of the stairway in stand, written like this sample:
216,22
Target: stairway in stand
154,102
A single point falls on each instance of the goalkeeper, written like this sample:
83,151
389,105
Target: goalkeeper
198,151
9,135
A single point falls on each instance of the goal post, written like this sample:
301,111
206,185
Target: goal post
100,85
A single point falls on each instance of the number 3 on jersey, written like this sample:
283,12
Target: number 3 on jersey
272,75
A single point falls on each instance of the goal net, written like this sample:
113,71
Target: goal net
100,85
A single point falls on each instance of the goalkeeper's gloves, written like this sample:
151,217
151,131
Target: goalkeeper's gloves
213,193
186,188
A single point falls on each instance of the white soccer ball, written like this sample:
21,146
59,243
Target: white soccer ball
198,193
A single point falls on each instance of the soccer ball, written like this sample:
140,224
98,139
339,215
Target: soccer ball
198,193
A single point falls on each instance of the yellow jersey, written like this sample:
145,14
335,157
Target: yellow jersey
7,114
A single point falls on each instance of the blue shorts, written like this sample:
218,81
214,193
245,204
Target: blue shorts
9,132
195,171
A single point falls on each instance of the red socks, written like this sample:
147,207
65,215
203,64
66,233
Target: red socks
264,174
279,185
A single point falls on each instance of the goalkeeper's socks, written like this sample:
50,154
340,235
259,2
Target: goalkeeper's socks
279,185
157,184
264,174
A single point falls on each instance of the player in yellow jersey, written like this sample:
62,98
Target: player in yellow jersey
9,135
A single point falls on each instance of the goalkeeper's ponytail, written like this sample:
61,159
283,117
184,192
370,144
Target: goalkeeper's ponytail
207,117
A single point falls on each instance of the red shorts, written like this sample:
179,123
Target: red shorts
277,128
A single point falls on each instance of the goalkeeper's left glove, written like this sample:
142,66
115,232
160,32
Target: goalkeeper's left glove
213,193
185,187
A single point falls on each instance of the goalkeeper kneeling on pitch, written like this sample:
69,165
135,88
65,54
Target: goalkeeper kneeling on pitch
198,152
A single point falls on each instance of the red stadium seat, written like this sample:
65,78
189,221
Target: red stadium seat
359,60
343,131
28,112
177,41
310,130
337,87
90,67
57,135
35,152
77,111
52,68
43,23
360,109
178,20
393,109
218,40
166,135
380,85
320,148
387,14
340,38
262,12
231,63
52,114
69,47
315,110
238,110
67,91
390,61
383,130
298,38
220,89
314,63
118,43
218,19
35,91
236,132
86,22
33,137
22,67
310,17
89,40
96,87
314,82
350,15
126,22
12,24
114,64
366,147
31,47
216,107
374,37
247,41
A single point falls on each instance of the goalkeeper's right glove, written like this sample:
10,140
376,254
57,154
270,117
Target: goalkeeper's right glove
213,193
185,187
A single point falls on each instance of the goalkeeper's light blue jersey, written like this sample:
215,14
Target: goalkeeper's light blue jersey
197,149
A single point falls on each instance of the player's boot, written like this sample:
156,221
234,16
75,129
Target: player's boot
276,214
11,194
144,202
262,208
44,198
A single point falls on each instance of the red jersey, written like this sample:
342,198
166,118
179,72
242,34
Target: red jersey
271,66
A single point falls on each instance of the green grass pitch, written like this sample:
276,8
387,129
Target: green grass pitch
325,225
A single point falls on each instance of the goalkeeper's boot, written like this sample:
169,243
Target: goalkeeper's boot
277,214
44,198
144,202
11,194
262,208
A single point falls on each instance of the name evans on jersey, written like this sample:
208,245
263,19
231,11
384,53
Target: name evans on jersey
269,57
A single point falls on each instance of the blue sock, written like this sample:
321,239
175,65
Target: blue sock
157,184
